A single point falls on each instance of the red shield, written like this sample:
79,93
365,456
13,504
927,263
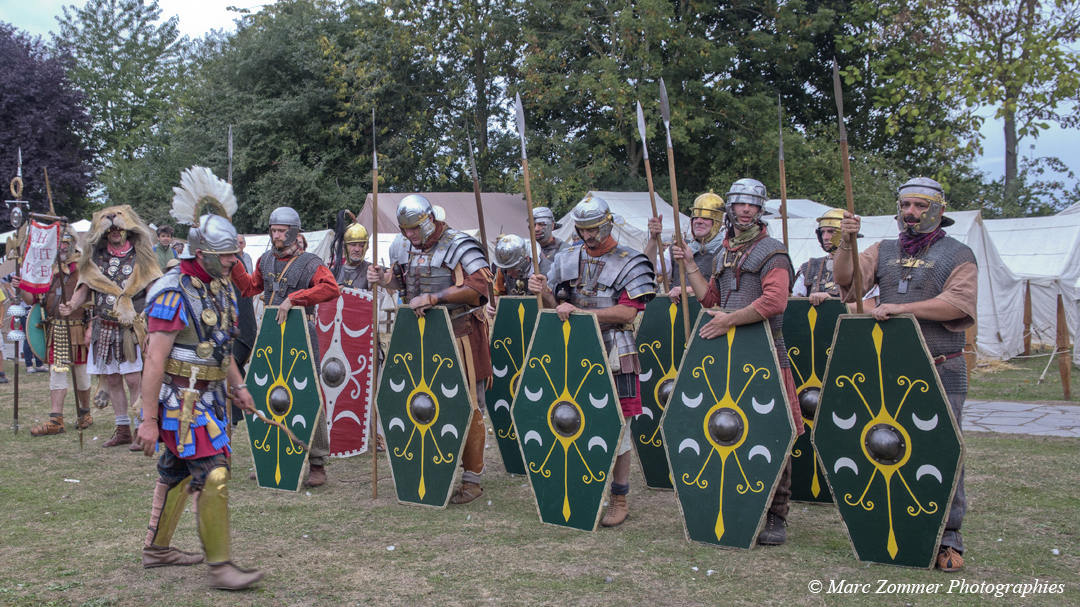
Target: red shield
345,344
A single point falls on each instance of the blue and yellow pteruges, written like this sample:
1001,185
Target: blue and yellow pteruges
425,407
284,385
727,431
569,420
888,440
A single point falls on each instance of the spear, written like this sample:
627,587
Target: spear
528,192
838,90
652,193
665,111
16,191
230,155
783,173
373,412
479,209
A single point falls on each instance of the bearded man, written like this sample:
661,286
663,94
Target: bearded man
119,265
707,217
752,277
286,276
352,271
544,225
614,282
65,277
935,278
436,265
188,361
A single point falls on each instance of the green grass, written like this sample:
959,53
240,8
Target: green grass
1018,380
67,543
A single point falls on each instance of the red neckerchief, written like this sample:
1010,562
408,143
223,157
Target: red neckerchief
119,251
189,267
606,246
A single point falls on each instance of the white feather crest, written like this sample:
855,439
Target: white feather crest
199,187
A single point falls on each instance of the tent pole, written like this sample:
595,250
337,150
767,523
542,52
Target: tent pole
1064,364
1027,318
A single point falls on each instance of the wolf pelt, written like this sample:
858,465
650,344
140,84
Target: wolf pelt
146,268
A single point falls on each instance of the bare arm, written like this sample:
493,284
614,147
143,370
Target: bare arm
698,283
77,299
616,315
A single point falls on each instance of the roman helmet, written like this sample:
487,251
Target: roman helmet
415,211
357,233
931,191
544,217
214,236
593,212
287,216
69,236
749,191
709,206
831,219
511,252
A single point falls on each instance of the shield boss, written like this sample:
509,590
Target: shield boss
885,444
280,400
333,372
422,407
664,393
808,402
725,427
565,419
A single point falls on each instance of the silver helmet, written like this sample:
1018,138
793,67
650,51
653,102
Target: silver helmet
932,218
746,191
416,211
215,236
511,252
287,216
543,216
593,212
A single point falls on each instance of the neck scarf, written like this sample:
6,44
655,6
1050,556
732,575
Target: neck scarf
191,268
746,237
121,250
288,251
912,245
608,244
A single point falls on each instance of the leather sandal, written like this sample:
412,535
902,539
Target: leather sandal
54,425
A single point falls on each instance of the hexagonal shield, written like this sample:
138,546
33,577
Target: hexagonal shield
727,430
346,345
661,341
808,332
569,418
282,380
888,439
426,405
510,338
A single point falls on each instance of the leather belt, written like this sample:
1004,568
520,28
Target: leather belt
944,357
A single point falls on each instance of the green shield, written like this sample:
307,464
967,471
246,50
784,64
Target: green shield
728,430
35,333
661,341
808,332
569,419
888,440
285,387
425,406
510,337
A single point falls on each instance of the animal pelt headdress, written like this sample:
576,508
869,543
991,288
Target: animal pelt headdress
146,268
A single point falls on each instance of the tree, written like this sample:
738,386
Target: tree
128,67
42,113
1015,55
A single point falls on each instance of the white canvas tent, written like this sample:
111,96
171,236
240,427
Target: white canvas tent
318,243
1001,294
633,211
1045,253
797,208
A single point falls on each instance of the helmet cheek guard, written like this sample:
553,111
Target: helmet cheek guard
415,211
933,217
287,216
747,191
593,213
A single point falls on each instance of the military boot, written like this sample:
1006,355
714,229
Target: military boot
164,516
775,531
121,436
617,511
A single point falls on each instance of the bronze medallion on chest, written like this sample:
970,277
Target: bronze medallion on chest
209,317
215,287
204,349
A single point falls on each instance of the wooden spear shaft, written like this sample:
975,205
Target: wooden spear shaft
659,241
848,191
532,227
373,415
665,111
783,176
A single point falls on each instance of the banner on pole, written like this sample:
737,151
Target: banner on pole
41,250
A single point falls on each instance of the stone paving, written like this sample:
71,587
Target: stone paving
1021,418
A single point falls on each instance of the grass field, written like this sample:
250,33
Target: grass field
65,543
1018,380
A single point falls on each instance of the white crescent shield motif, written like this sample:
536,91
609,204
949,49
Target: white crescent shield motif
397,422
760,450
597,441
299,419
448,429
502,404
261,381
397,387
499,372
533,396
646,376
599,403
448,393
689,443
533,435
846,462
763,408
928,469
692,402
843,424
926,425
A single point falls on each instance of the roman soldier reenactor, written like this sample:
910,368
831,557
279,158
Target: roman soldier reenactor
707,218
286,276
544,225
935,278
189,374
615,282
752,278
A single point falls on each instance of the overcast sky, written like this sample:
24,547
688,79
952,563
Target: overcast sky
197,17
